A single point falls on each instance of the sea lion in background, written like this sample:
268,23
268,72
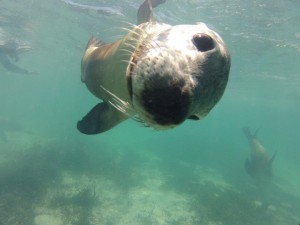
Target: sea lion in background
259,165
158,74
11,50
107,11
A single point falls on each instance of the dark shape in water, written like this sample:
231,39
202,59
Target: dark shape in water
107,11
259,165
11,50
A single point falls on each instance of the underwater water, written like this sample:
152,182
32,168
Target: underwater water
50,174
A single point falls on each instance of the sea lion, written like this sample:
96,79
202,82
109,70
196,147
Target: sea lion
259,165
11,50
104,10
158,74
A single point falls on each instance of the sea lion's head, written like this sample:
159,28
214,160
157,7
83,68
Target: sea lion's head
177,73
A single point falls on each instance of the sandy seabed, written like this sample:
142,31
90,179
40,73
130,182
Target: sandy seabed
56,182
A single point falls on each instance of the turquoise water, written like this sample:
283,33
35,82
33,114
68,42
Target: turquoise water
50,174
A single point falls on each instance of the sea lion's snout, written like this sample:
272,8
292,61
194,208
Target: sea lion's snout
168,106
161,88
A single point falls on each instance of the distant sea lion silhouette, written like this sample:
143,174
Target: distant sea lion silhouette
259,165
11,50
158,74
108,11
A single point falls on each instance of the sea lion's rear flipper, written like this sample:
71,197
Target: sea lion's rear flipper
145,13
256,132
247,133
101,118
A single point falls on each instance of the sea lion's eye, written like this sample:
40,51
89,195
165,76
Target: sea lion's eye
203,42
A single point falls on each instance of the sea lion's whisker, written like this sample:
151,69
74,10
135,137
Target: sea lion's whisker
140,120
130,31
133,40
118,107
125,55
127,51
119,104
134,30
129,62
129,45
153,46
140,29
132,25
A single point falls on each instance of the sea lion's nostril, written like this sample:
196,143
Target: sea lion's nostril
203,42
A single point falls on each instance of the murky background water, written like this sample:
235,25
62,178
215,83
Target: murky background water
50,174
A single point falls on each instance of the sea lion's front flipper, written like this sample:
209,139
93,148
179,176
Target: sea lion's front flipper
193,117
101,118
145,10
